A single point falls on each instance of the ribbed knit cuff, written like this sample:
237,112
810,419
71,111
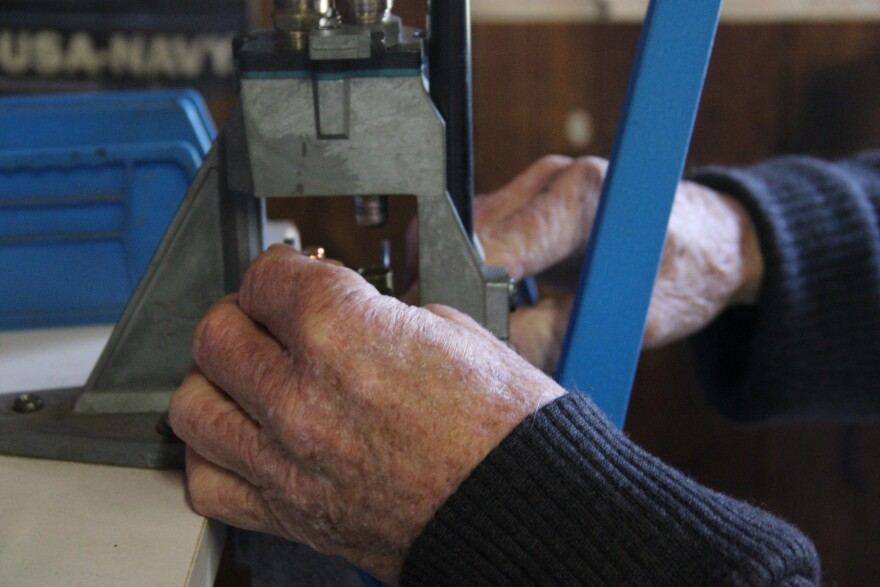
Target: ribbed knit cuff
566,499
809,347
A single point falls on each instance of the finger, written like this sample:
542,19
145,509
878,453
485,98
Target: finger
299,300
219,494
242,359
495,206
538,332
552,227
215,426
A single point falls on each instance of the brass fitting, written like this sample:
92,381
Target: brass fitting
364,12
294,19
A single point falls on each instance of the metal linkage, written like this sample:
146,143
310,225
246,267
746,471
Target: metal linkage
608,319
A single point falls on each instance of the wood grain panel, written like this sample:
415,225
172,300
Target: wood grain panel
772,89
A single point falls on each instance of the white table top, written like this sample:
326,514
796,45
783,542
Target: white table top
76,525
51,358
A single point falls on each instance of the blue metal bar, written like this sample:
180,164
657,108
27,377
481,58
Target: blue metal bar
604,338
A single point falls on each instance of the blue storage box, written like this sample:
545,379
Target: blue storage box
88,186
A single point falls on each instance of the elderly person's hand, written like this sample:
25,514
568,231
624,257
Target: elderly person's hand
323,412
543,218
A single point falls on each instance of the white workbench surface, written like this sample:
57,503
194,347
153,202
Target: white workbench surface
71,525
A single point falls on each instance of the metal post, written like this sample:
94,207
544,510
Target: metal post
608,319
449,58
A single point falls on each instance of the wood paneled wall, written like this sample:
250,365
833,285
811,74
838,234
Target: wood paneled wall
772,89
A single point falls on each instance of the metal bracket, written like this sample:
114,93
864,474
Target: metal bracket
117,417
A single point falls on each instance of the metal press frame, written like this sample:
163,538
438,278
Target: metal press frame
320,126
332,103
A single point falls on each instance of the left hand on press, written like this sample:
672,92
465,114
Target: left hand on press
328,414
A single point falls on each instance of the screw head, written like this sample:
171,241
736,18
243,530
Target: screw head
27,403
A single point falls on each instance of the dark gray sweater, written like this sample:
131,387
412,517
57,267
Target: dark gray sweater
568,500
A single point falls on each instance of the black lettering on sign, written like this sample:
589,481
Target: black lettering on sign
139,56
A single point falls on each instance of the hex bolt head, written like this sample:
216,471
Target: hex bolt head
27,403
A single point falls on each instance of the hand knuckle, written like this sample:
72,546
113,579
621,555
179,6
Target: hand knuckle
554,161
200,489
210,330
268,268
257,457
186,409
588,168
179,408
332,307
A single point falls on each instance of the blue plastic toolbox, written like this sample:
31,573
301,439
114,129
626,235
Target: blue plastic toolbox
88,186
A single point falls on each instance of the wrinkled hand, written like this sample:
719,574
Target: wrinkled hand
543,218
328,414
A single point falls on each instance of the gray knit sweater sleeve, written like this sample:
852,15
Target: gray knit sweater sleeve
810,348
567,499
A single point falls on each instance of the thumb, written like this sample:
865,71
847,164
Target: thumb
538,332
493,207
548,227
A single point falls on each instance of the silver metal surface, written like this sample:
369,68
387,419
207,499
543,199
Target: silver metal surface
332,108
129,440
209,245
395,146
392,27
113,420
344,42
372,16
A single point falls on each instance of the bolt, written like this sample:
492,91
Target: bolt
293,19
27,403
364,12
